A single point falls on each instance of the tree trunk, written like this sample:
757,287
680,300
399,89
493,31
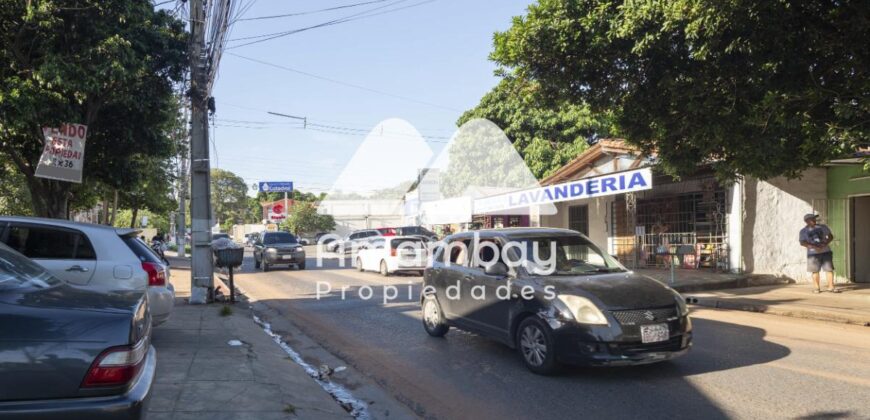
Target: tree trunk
104,220
135,215
49,198
114,208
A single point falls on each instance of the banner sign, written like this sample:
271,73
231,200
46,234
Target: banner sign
277,212
599,186
280,186
63,156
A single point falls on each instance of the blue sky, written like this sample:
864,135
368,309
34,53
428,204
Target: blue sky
434,53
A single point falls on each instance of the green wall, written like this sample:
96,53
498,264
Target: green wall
840,186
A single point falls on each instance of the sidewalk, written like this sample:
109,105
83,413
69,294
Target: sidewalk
851,306
690,280
200,375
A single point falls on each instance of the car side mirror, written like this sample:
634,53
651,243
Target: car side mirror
498,269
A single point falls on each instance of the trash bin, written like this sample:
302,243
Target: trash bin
229,257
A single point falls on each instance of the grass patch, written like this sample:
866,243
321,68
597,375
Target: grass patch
226,310
290,409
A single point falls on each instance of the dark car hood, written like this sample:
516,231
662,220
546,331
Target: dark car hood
51,336
614,291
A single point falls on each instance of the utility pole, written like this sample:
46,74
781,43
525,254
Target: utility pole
202,271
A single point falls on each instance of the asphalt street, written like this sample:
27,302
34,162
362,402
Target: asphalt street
742,365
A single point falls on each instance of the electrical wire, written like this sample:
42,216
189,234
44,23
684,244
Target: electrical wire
339,82
311,12
350,18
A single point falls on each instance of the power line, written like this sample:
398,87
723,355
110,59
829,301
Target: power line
350,18
339,82
310,12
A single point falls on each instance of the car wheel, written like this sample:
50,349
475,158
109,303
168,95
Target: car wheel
384,271
301,265
265,266
535,343
359,266
433,319
256,262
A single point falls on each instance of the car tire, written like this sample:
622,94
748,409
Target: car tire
536,346
301,265
265,266
384,270
433,318
359,266
256,262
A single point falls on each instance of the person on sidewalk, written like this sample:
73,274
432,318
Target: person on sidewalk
815,238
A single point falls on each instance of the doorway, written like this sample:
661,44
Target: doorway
860,233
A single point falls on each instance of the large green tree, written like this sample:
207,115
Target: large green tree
755,87
304,218
229,197
108,64
546,135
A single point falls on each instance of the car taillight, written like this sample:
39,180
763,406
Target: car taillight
156,274
117,365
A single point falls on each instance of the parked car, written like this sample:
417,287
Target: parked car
387,231
216,236
417,230
273,248
393,254
94,257
354,240
320,236
69,352
580,307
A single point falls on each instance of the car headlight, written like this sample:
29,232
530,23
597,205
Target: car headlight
297,249
271,250
582,310
681,303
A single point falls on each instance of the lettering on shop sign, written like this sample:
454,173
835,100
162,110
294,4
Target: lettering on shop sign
617,183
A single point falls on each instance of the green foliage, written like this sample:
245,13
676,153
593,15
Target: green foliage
754,87
304,218
159,221
14,196
229,198
226,310
547,136
108,64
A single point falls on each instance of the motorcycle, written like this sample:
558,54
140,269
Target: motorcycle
158,247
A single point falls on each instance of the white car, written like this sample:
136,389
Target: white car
391,254
93,257
356,240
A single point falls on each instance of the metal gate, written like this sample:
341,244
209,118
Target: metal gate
835,214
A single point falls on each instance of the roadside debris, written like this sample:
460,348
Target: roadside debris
234,343
357,408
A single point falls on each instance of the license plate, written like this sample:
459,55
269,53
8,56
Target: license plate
286,257
654,333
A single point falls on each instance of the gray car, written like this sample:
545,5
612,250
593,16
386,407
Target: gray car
67,352
277,248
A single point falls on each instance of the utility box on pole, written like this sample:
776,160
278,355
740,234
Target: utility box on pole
202,272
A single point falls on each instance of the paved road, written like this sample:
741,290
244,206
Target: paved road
743,365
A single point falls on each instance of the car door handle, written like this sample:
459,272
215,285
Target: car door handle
78,268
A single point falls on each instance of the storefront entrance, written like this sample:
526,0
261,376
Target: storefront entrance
860,238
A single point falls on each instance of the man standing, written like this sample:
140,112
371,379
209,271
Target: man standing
815,238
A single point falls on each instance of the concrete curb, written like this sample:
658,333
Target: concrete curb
738,283
791,312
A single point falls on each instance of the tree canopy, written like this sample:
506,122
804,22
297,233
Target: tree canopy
546,135
753,87
229,196
108,64
304,218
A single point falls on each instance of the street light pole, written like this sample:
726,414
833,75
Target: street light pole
202,271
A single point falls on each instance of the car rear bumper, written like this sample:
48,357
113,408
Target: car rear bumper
161,300
131,405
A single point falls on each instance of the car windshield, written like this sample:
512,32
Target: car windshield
279,238
564,256
17,272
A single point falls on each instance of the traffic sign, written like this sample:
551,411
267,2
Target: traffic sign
278,186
